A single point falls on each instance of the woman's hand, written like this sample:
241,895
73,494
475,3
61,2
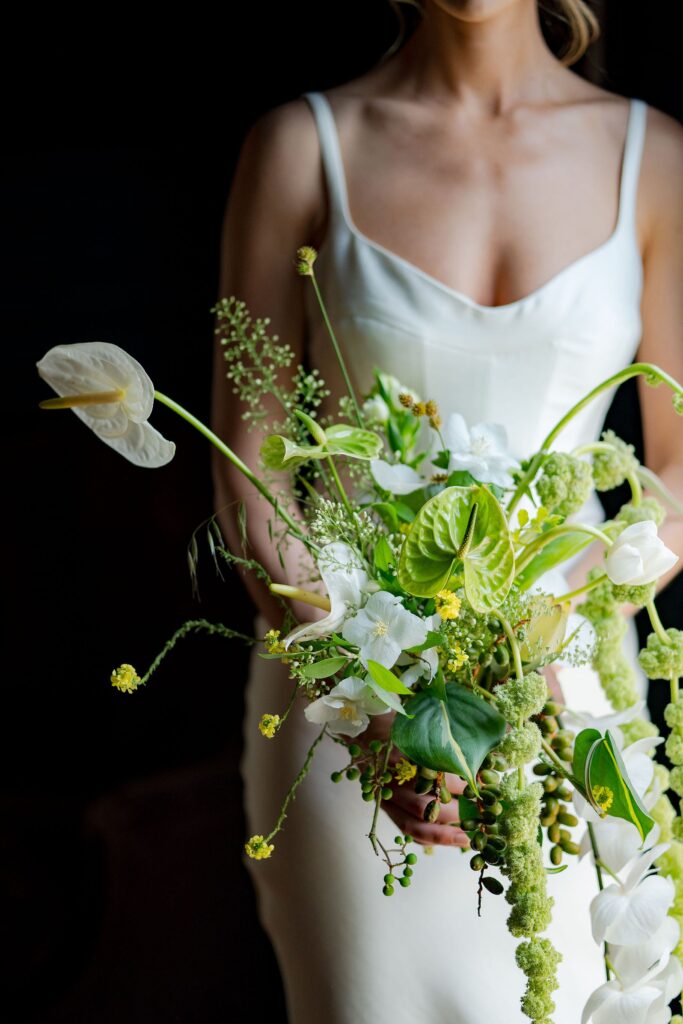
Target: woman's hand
405,808
550,673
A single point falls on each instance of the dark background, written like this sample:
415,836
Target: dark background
123,890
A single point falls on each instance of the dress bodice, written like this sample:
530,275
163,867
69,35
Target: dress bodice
522,364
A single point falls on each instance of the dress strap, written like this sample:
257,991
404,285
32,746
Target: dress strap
633,150
327,136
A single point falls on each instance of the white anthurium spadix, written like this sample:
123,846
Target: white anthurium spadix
345,581
638,555
632,911
482,449
383,628
345,710
111,393
644,1000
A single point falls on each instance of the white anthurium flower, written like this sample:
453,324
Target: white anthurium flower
111,393
632,962
346,708
632,911
384,628
644,1001
482,449
619,841
345,581
375,410
586,720
638,555
640,769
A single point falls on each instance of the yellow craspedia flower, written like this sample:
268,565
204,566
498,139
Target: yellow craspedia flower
457,659
125,678
404,771
273,643
419,409
431,408
603,797
257,848
268,725
447,604
306,256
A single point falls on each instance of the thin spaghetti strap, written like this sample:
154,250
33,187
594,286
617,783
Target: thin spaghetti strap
633,150
334,174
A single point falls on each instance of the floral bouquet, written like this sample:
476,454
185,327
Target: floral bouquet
427,611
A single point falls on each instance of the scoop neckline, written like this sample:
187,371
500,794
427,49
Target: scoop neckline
435,281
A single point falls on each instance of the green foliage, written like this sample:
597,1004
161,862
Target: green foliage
565,483
601,777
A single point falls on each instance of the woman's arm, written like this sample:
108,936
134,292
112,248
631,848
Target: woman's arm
271,209
662,338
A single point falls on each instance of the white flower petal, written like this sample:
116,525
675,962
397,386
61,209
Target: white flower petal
645,909
455,433
141,444
633,962
397,479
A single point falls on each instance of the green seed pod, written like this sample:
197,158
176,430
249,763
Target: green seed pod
541,769
368,787
556,855
548,819
469,824
496,808
565,835
490,855
498,843
569,847
488,817
563,793
502,655
375,746
488,798
493,885
551,707
411,858
428,773
477,862
565,818
489,777
485,659
554,833
398,840
407,872
431,811
445,794
423,786
479,841
552,804
550,783
354,750
548,725
492,830
567,735
494,789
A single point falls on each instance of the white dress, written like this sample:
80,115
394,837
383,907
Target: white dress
347,953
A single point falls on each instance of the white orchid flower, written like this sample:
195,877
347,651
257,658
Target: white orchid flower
587,720
638,555
632,962
482,449
632,911
644,1001
384,628
346,708
345,581
397,478
619,841
111,393
375,411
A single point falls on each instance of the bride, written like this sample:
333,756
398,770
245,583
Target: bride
501,235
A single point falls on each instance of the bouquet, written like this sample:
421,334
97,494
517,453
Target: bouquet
421,563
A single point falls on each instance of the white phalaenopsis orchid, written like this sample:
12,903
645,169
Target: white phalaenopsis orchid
345,581
111,393
384,628
632,911
638,555
346,708
643,1001
482,449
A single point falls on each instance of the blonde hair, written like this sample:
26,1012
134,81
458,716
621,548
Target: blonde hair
570,26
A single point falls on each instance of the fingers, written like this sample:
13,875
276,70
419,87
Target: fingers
423,832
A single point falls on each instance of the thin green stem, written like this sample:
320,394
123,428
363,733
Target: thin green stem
297,782
239,464
514,646
372,834
673,689
580,590
538,543
550,753
194,625
607,868
657,622
598,871
337,350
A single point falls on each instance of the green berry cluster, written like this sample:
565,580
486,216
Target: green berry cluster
538,959
660,659
531,905
673,716
555,813
392,876
647,508
485,838
614,669
428,781
369,768
610,468
565,483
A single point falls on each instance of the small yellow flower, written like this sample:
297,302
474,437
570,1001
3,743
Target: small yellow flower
125,678
406,400
458,659
273,643
404,771
268,725
603,797
306,256
429,850
431,408
419,409
448,604
257,848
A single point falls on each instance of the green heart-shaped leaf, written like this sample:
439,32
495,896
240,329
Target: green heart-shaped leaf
598,765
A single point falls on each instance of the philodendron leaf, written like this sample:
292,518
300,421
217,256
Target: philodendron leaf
437,534
352,441
451,735
599,767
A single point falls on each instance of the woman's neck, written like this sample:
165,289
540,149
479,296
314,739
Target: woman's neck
488,65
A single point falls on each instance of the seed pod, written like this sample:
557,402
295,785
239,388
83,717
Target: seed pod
431,811
387,777
563,793
548,819
541,769
489,777
469,824
548,725
423,785
497,842
565,835
501,654
550,783
488,817
496,808
552,804
567,735
494,789
479,841
485,659
493,885
554,833
428,773
565,818
352,773
556,855
492,830
445,794
569,847
488,798
551,707
477,862
490,855
469,793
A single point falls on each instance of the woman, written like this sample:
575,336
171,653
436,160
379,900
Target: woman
499,270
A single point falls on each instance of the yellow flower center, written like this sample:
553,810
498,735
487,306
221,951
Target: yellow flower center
380,629
348,712
87,398
257,848
603,797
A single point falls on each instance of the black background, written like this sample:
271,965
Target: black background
123,891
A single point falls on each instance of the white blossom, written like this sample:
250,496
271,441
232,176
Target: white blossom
643,1001
482,449
375,410
345,581
384,628
632,911
638,555
346,708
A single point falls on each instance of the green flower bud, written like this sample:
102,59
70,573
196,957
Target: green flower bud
565,483
663,661
610,468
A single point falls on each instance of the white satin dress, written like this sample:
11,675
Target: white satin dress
347,953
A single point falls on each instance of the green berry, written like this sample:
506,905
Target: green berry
407,872
405,882
387,793
354,750
411,858
477,862
352,773
336,776
375,746
493,885
389,879
388,890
